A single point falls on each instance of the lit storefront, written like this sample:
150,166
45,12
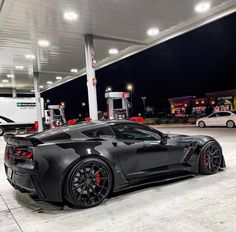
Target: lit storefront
199,106
180,106
224,100
212,102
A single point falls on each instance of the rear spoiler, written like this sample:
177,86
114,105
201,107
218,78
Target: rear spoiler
11,139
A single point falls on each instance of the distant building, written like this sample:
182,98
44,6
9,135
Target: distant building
211,102
224,100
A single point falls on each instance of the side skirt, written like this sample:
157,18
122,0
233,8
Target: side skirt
156,180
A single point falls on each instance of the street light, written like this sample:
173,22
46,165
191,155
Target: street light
108,89
144,105
130,88
46,103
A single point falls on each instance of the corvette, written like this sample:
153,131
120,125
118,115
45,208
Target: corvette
80,165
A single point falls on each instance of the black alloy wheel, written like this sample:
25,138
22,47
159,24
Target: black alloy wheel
88,183
210,159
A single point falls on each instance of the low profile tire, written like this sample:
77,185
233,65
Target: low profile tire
1,131
88,183
210,159
230,124
201,124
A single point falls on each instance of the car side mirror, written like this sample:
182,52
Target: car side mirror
164,139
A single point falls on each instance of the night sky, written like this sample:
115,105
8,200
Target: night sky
195,63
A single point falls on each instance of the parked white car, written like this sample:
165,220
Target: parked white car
222,118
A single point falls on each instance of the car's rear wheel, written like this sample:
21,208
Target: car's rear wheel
201,124
88,183
1,131
230,124
210,159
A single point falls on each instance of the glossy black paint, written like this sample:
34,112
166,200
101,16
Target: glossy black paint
133,162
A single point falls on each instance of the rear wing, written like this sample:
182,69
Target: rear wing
11,139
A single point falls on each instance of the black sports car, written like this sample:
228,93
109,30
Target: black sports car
81,164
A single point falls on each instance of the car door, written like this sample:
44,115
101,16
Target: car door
141,152
211,120
223,117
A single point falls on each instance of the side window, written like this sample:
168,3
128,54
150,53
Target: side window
2,121
98,132
5,120
224,114
135,132
213,115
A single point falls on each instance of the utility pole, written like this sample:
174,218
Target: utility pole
144,104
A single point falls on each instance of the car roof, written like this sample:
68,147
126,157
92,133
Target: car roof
223,112
79,127
93,124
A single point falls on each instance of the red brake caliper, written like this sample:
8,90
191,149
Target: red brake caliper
205,159
97,175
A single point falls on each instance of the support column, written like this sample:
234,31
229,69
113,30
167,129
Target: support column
14,95
91,78
13,81
125,106
37,94
110,104
38,101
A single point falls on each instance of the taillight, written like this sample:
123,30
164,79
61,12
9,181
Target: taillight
7,154
23,153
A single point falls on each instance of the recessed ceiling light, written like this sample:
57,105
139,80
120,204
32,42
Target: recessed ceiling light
49,82
153,31
74,70
5,81
19,67
41,86
43,43
58,78
10,75
70,16
30,56
202,7
113,51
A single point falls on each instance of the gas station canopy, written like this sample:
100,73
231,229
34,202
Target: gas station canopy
51,32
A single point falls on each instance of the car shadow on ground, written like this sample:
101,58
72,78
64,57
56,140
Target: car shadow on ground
37,206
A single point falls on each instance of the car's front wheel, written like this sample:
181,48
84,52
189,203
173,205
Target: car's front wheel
88,183
230,124
1,131
210,159
201,124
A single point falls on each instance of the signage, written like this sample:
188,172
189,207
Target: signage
125,94
225,98
26,105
